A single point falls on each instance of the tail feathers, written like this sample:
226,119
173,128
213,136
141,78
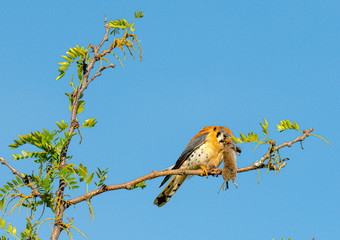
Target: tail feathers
169,190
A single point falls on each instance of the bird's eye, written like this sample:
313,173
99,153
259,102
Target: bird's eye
225,136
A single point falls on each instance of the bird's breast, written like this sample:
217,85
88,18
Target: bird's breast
205,155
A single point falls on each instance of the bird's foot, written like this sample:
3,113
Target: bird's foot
204,170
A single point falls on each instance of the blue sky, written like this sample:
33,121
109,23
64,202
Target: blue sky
229,63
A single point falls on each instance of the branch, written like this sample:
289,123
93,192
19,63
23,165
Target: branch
152,175
285,144
26,179
100,71
155,174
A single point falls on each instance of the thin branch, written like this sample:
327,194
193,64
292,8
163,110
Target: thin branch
100,71
306,133
155,174
106,38
26,179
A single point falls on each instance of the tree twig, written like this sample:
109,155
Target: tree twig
26,179
152,175
285,144
100,71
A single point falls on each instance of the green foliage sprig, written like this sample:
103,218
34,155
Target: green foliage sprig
10,229
275,162
73,54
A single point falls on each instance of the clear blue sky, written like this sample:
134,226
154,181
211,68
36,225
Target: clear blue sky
229,63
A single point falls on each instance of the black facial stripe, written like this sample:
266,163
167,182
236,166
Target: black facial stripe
218,134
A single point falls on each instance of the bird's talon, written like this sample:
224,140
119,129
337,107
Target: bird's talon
204,171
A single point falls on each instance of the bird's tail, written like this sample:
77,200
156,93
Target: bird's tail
169,190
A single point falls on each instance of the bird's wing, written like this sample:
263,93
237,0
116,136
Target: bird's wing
195,143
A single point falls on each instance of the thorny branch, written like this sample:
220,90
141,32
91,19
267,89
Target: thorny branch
156,174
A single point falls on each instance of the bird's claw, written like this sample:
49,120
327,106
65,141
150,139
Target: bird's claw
204,171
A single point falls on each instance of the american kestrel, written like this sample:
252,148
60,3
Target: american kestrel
206,151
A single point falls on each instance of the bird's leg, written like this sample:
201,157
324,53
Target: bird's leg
204,170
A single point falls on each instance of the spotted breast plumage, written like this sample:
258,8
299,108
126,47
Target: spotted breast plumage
205,151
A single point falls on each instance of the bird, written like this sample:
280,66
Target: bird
229,171
205,151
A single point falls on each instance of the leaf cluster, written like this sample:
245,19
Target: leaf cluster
123,24
285,125
101,174
8,188
71,55
274,160
50,143
10,229
51,147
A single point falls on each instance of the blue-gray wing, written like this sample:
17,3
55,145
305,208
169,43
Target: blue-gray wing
192,146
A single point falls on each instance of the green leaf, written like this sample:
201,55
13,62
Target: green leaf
71,83
237,140
67,58
243,137
14,231
18,179
62,126
64,64
1,205
89,179
80,107
89,123
264,127
265,121
139,185
10,228
131,27
63,68
139,14
61,75
285,125
72,55
10,184
3,223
